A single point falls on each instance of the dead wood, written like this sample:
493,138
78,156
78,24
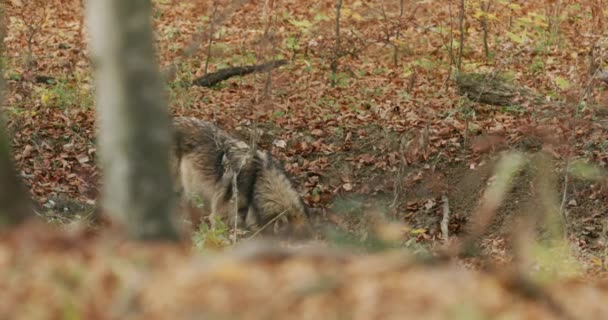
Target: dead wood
214,78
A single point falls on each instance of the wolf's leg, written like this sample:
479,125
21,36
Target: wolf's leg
251,219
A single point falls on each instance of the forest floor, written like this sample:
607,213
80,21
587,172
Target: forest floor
377,154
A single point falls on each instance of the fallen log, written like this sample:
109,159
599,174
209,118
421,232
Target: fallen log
214,78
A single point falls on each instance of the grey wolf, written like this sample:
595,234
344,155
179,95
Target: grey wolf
235,180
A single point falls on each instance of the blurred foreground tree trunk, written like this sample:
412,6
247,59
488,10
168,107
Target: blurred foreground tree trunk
14,202
134,124
15,205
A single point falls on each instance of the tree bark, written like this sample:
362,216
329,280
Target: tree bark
15,205
134,122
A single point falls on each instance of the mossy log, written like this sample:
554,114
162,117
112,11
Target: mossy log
490,89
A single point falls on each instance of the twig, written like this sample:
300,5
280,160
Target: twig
336,55
446,218
510,15
450,47
562,206
387,34
465,143
398,32
200,37
461,18
485,7
397,185
267,224
211,31
269,36
235,196
267,48
34,22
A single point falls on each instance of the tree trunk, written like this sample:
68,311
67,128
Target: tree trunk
135,127
15,205
14,202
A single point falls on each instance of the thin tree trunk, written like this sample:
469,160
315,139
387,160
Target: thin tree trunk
135,136
461,19
211,31
337,53
398,34
485,7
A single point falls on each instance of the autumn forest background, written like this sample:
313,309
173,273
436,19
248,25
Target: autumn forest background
453,154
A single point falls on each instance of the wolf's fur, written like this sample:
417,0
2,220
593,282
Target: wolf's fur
206,160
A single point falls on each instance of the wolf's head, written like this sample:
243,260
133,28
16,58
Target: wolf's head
294,223
277,202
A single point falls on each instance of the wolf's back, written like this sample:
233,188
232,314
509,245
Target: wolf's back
197,146
207,159
191,134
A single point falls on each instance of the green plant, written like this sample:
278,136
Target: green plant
206,237
278,114
172,32
380,71
538,65
516,109
327,102
292,44
424,63
246,58
340,79
64,94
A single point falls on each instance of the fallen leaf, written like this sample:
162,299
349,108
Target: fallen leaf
27,151
317,132
280,144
